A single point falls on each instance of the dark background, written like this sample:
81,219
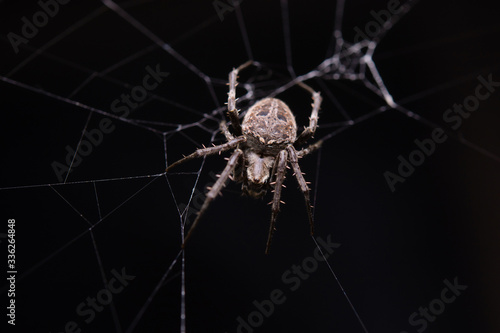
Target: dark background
396,248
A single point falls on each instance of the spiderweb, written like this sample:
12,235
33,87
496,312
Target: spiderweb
117,211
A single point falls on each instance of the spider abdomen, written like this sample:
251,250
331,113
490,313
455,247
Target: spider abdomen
269,123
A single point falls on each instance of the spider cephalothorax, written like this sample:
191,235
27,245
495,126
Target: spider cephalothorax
264,145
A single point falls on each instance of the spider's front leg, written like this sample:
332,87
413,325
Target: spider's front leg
309,149
215,189
278,183
302,183
209,151
225,131
232,112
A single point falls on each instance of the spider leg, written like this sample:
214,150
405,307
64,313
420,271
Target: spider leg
209,151
280,177
309,131
239,170
302,183
231,100
215,190
225,131
309,149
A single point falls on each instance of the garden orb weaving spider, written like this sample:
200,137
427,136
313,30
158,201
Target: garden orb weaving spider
264,144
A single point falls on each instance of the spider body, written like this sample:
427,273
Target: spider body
268,126
264,145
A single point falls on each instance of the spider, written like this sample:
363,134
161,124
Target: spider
264,144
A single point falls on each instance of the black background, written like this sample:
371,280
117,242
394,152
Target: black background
396,248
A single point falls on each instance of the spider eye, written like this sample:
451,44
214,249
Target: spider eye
263,113
281,116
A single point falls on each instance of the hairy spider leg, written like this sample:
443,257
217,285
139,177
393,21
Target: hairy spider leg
294,161
309,131
225,131
209,151
290,155
280,177
215,190
232,112
309,149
